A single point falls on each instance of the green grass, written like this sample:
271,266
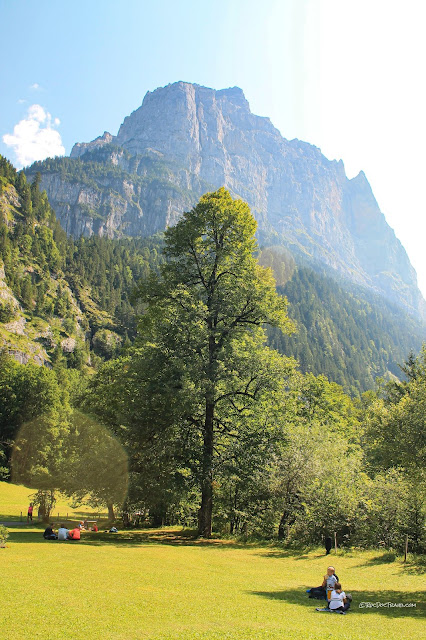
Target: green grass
15,498
162,584
158,586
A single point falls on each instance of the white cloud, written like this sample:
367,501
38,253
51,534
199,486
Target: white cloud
35,86
35,137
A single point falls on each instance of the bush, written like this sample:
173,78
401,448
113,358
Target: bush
4,534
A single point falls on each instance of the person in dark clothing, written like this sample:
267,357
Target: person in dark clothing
328,545
49,534
317,593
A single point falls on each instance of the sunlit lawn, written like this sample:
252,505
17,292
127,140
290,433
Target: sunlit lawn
162,585
15,499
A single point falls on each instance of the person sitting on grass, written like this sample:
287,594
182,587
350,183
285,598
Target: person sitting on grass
339,603
49,534
62,533
74,534
324,591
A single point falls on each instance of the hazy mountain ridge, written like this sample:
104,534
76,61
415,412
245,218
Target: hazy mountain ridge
197,139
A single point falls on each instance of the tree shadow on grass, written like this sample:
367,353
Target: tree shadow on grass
179,538
385,558
365,602
297,554
131,539
169,537
79,515
415,565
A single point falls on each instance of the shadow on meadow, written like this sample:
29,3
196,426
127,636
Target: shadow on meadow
130,539
384,558
188,538
176,537
295,553
416,565
365,602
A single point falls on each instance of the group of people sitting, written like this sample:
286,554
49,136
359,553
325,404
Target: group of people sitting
64,533
331,590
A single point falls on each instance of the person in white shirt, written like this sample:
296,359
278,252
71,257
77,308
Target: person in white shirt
62,533
338,602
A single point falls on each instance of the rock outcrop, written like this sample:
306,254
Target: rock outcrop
186,139
80,148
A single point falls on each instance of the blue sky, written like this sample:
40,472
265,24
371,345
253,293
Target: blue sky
344,75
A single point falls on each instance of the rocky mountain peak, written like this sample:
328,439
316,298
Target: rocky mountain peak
186,139
80,148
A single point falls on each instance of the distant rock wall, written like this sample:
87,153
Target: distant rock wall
186,139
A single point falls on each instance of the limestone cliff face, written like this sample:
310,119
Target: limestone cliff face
116,194
115,208
185,139
211,133
291,187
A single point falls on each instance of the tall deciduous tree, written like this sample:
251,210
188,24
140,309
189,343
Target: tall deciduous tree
96,469
27,392
205,316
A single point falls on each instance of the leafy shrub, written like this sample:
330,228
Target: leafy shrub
4,534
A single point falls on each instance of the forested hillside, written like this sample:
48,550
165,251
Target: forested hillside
349,334
62,299
69,300
128,414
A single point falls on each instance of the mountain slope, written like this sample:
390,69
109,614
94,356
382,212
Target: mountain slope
353,335
66,302
62,300
185,139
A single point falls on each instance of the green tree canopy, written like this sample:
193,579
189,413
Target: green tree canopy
204,320
395,434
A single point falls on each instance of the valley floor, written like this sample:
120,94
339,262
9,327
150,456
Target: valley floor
161,585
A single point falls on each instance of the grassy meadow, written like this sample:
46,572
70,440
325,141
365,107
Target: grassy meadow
162,584
15,499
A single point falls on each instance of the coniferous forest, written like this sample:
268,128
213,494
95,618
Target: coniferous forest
214,395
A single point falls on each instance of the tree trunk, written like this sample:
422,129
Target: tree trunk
157,519
206,510
46,502
111,515
282,528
